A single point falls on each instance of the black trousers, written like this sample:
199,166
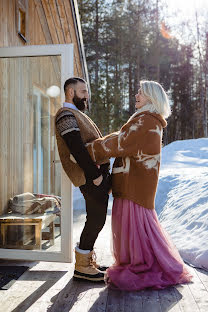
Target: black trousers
96,199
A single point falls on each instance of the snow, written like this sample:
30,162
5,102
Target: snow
182,198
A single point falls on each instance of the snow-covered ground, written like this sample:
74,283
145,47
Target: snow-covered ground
182,198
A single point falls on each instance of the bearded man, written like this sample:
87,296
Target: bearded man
73,130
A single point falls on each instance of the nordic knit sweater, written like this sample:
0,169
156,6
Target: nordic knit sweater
75,126
137,148
68,128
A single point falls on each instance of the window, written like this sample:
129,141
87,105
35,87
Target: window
21,24
21,18
41,142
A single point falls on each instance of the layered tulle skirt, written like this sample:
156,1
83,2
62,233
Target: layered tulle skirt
144,254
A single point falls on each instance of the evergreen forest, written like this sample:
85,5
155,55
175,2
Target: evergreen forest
127,41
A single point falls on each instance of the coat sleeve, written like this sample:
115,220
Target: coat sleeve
118,144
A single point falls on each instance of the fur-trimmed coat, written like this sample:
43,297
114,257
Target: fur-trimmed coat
137,148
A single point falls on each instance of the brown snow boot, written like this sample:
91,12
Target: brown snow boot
85,270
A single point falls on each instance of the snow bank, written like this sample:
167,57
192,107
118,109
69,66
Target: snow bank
182,198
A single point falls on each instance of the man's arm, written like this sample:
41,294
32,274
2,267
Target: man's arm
69,130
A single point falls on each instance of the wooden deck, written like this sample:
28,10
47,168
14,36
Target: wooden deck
50,287
84,296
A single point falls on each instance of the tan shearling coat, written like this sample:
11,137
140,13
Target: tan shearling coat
137,148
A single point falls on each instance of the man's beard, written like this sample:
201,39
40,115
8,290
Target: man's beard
79,103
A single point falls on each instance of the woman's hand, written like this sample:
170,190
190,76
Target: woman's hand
98,181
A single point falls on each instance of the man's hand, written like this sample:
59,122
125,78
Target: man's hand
98,181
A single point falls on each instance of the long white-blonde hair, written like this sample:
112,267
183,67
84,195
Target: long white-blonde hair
157,96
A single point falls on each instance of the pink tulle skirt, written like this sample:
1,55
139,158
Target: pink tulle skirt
144,254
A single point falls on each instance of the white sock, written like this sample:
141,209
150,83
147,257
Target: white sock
82,251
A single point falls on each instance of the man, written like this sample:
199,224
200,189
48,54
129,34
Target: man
73,130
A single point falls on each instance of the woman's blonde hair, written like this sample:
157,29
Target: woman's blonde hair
157,96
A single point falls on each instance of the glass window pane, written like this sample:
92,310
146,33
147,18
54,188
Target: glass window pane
30,179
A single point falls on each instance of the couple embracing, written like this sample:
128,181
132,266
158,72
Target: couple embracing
143,254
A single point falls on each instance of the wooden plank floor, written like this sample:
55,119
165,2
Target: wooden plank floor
49,287
86,296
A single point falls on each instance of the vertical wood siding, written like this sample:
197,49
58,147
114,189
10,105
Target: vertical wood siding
47,22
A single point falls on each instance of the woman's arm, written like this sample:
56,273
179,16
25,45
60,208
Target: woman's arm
118,144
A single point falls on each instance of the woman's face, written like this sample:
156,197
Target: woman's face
141,99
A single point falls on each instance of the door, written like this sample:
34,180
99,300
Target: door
35,193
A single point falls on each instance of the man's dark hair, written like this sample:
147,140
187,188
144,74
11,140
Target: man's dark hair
72,80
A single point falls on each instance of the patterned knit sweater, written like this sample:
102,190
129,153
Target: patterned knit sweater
137,148
69,121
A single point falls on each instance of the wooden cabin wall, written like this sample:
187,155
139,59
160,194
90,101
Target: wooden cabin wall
47,22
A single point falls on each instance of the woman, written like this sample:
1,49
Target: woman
144,255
